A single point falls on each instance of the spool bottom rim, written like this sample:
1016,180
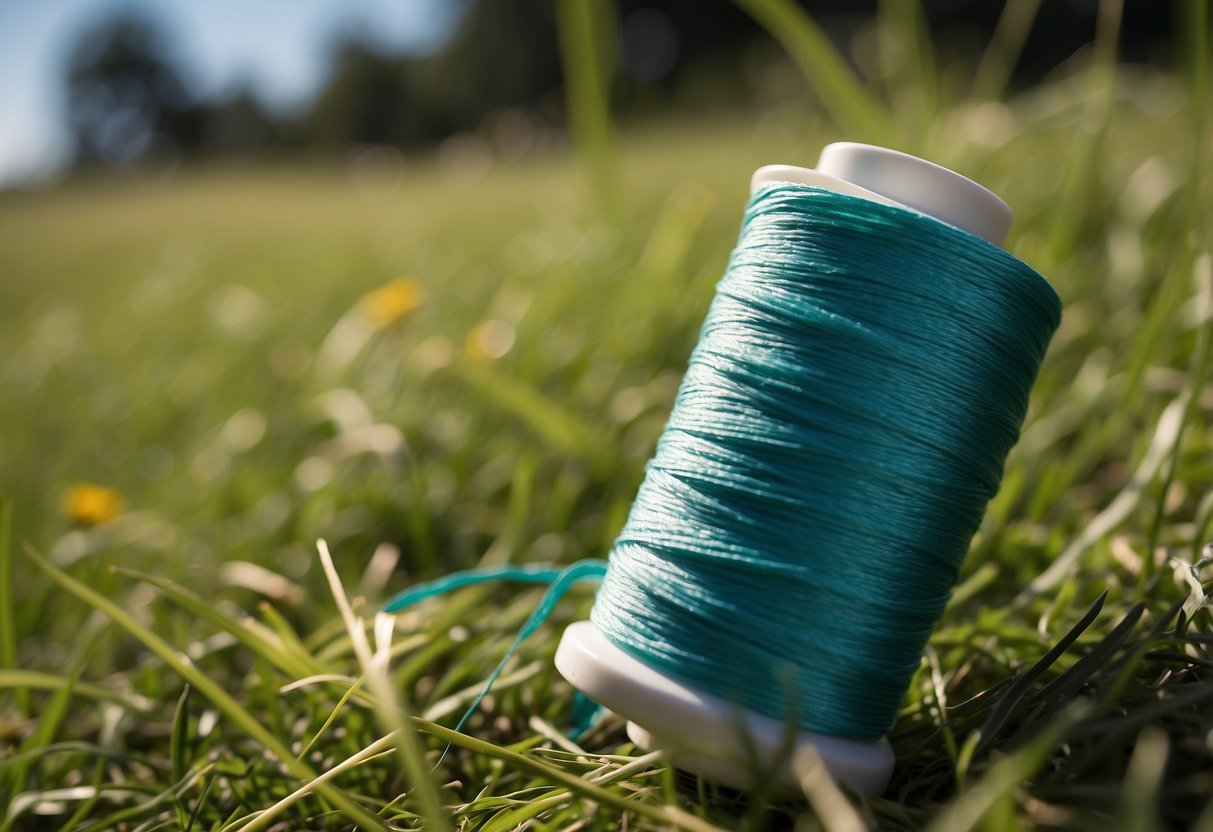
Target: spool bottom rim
708,735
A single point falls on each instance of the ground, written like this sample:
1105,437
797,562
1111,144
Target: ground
202,374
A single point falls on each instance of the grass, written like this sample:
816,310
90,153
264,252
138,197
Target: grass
208,348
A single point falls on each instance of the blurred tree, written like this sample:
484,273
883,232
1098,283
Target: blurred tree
372,98
504,54
127,101
239,126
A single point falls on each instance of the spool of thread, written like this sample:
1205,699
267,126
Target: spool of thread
635,657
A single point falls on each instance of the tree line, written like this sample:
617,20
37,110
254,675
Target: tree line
129,101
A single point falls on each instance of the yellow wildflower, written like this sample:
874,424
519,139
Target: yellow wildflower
89,505
391,303
490,340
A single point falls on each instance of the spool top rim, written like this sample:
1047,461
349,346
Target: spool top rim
898,178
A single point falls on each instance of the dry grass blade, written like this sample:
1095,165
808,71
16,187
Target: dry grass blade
832,807
667,815
263,819
388,704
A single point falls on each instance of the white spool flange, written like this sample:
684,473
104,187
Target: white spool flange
897,178
701,732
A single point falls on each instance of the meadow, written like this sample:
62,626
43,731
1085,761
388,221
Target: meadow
202,375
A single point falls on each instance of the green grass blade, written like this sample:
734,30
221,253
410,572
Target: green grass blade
178,747
1010,701
1083,176
1071,681
76,747
1196,51
52,717
545,419
853,107
383,745
1143,782
341,703
918,85
86,806
287,637
1202,355
421,531
200,803
1116,512
218,697
667,815
276,652
123,818
27,680
587,47
179,739
8,613
518,816
1006,775
1001,56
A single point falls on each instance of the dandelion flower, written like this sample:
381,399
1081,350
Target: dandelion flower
490,340
90,505
393,302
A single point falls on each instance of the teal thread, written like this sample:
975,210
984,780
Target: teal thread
844,421
559,580
527,573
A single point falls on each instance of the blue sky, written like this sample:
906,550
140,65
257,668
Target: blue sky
277,46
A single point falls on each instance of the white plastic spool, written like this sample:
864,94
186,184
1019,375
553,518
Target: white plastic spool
704,733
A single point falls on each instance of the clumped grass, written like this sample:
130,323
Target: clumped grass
210,348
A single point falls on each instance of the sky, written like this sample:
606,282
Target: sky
279,47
